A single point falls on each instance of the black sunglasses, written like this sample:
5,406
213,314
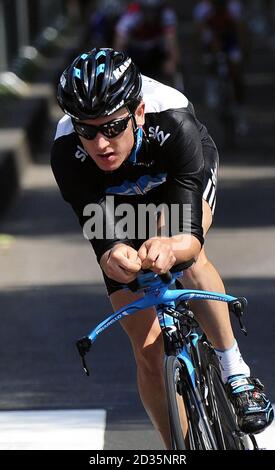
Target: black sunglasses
110,129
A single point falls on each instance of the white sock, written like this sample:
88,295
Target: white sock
231,362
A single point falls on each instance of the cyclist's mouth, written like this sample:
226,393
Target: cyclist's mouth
106,156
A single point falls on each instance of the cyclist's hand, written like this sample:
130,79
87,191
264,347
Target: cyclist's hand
121,263
157,254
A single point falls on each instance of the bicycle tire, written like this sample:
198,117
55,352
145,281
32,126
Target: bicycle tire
172,376
219,407
199,435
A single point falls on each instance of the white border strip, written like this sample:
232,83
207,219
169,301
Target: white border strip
52,430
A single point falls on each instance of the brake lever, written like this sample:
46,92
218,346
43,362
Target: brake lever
238,307
83,346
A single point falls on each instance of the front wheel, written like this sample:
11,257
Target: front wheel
189,426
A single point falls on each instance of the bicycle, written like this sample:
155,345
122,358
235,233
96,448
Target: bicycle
191,368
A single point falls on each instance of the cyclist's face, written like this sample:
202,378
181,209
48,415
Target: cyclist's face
110,152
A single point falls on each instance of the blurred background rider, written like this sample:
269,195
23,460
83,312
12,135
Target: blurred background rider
222,36
148,33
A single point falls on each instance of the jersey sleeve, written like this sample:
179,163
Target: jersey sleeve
185,171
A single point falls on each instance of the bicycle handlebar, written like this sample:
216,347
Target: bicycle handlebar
166,278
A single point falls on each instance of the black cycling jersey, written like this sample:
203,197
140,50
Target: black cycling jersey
169,167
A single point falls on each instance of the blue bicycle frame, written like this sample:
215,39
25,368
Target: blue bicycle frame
157,292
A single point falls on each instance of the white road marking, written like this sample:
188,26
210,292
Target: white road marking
233,173
52,430
70,430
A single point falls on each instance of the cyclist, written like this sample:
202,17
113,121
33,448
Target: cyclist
138,140
148,33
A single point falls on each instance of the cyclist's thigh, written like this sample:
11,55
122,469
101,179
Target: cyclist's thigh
143,327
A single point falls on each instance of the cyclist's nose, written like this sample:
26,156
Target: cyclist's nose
101,141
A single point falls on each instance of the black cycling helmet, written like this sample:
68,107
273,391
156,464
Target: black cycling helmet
98,83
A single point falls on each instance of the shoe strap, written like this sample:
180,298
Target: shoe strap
240,383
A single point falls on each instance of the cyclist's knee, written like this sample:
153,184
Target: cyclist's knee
146,339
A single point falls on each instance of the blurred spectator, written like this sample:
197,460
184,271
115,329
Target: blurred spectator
103,22
148,32
224,44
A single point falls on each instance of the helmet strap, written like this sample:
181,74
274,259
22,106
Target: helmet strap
133,119
138,136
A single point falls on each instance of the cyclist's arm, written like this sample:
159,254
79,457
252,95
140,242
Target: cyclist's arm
183,246
117,259
115,255
185,177
106,223
184,190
